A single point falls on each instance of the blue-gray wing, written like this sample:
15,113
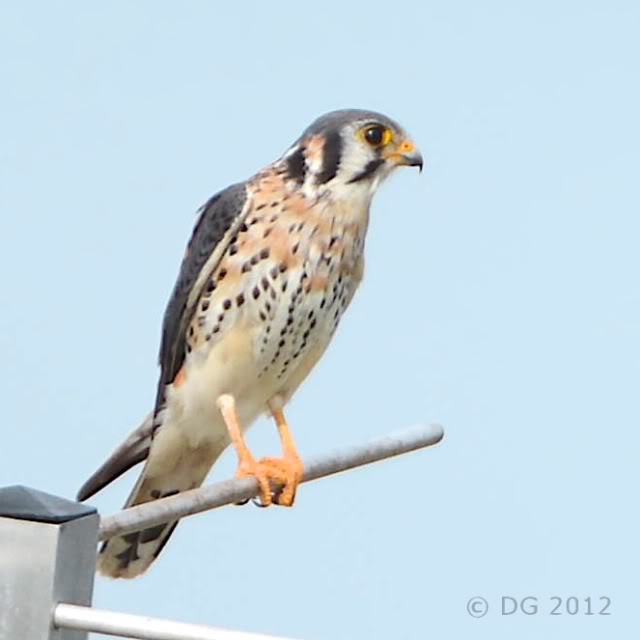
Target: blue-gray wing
217,220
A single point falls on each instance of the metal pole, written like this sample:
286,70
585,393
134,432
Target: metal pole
47,554
230,491
69,616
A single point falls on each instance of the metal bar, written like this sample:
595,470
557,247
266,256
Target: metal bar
71,616
230,491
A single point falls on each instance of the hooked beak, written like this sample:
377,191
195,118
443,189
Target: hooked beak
406,154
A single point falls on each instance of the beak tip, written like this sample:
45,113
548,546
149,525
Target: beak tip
415,160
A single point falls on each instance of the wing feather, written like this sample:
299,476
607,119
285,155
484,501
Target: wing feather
219,219
133,450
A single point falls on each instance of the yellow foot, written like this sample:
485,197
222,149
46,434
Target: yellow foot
288,473
284,474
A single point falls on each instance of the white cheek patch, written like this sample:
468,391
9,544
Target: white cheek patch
355,157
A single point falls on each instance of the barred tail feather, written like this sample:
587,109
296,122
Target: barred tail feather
131,554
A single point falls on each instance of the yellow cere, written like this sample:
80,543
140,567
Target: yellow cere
407,147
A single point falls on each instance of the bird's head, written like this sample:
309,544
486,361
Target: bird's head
349,152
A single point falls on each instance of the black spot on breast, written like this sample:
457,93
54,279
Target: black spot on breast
226,304
240,299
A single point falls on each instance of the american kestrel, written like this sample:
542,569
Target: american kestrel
271,266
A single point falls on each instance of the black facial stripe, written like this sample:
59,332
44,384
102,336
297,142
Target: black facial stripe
297,166
371,167
332,152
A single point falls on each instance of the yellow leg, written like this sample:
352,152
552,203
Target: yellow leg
290,465
286,471
248,466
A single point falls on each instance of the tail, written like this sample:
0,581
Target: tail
172,466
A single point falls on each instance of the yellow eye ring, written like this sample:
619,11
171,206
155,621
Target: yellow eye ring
376,135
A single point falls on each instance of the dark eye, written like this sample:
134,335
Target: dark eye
374,135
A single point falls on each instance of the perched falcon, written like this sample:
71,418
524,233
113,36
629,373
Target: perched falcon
271,266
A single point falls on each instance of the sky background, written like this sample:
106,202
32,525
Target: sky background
501,298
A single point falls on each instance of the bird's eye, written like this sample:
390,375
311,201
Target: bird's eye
375,135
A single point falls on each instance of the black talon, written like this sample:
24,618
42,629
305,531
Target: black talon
275,495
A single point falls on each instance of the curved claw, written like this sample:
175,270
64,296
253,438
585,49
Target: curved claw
255,469
257,501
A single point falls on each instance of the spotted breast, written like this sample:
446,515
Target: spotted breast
288,274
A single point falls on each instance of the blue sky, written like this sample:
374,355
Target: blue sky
501,298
